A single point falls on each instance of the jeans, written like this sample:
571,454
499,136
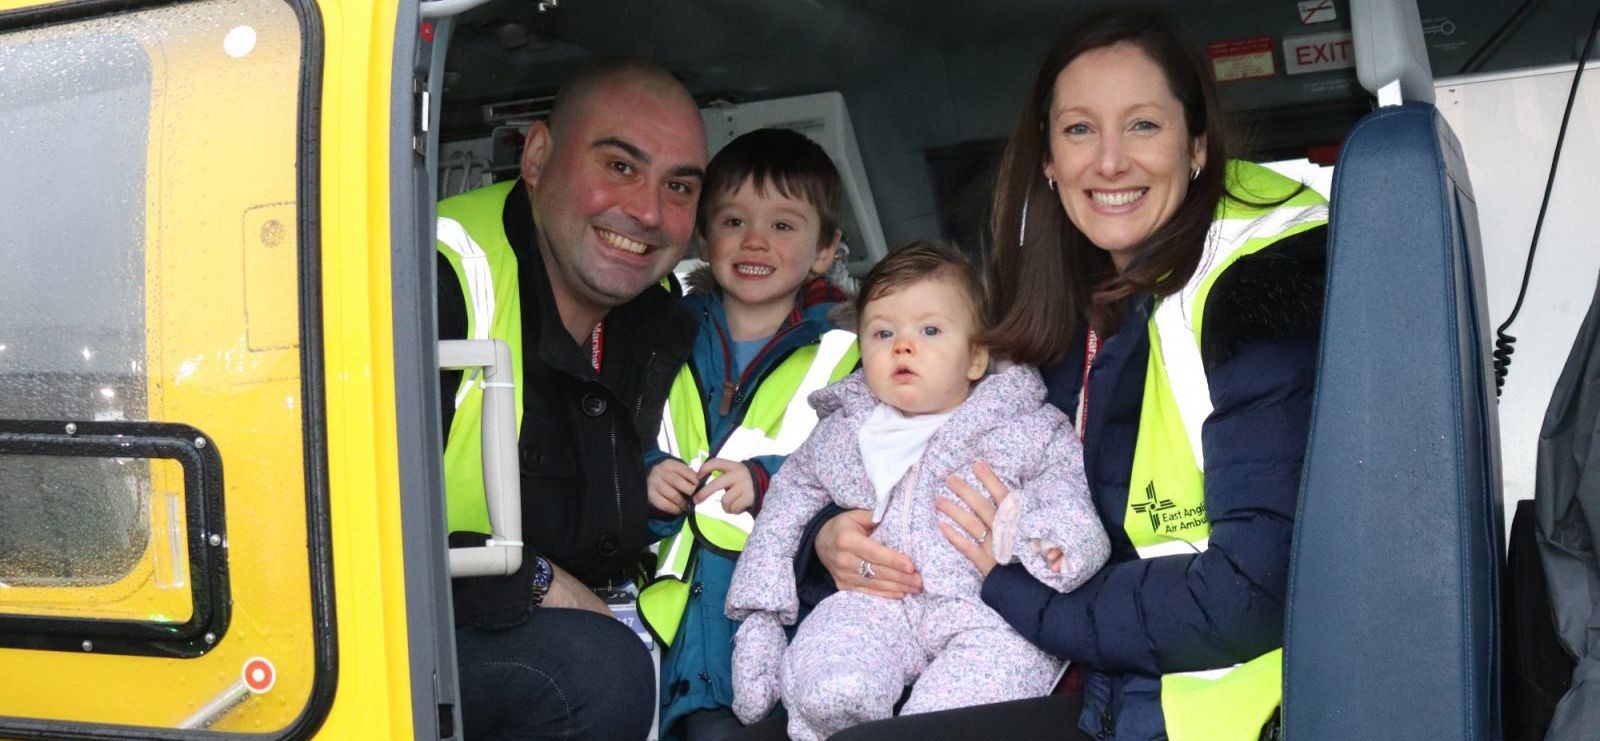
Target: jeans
563,674
1053,717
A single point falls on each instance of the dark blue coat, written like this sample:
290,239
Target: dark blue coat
1137,619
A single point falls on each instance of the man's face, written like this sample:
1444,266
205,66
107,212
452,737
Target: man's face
614,191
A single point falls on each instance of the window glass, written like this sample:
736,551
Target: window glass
154,252
72,320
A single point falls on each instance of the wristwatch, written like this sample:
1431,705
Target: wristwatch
543,575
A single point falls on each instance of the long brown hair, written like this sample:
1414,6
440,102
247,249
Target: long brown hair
1047,288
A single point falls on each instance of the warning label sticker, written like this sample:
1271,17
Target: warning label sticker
1241,59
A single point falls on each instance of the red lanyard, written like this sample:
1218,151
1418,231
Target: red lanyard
1090,349
597,342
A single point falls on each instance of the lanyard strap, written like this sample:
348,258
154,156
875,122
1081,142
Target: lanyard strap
1091,348
597,341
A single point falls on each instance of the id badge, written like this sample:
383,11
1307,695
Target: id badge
624,604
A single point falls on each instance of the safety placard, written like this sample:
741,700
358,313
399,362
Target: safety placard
1318,52
1241,59
1317,11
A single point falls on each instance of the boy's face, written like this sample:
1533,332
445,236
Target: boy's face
917,347
763,246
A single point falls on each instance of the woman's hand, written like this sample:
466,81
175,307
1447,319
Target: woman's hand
973,537
845,543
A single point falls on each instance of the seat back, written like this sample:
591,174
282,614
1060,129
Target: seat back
1392,619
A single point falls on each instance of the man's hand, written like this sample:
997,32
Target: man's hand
670,485
566,591
738,487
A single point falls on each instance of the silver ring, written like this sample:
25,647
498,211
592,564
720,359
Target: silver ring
865,569
983,537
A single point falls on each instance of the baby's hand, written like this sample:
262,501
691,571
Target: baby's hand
757,655
1053,557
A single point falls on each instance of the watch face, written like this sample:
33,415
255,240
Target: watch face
543,574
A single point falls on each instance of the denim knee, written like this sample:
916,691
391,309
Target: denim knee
564,674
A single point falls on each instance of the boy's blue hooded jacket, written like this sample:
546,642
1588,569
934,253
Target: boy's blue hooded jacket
697,673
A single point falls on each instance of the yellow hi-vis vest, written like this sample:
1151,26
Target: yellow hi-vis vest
1166,492
778,419
472,237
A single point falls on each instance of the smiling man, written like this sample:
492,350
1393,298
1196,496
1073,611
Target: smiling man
564,265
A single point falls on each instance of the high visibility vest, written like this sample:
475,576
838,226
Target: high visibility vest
472,237
778,419
1166,511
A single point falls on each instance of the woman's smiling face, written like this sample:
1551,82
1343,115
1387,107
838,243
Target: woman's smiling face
1120,152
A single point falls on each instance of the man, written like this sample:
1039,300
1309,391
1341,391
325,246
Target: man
564,265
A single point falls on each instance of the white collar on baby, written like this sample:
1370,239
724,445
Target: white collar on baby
891,443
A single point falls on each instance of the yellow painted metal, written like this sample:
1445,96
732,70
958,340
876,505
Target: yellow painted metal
223,355
374,692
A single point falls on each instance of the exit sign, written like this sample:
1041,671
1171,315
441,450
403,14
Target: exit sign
1318,52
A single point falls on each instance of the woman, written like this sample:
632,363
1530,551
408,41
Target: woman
1172,298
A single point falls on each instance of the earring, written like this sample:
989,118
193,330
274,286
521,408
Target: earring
1052,182
1193,174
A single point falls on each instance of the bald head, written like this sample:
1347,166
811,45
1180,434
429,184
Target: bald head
595,79
613,178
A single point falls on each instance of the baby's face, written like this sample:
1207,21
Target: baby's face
917,347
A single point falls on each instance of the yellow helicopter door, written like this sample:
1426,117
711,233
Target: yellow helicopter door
200,518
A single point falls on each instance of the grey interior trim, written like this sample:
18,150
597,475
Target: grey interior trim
436,704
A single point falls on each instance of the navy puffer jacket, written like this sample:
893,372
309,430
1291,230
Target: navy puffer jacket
1137,619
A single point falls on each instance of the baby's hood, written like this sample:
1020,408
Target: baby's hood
849,395
1010,392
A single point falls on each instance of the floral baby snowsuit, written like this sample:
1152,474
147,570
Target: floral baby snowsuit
854,655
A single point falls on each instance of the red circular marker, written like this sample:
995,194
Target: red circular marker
259,675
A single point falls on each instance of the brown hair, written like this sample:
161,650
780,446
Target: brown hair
784,159
926,259
1055,281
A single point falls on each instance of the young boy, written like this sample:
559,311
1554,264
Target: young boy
894,438
770,220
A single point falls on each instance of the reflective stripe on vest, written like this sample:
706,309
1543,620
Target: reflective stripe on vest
471,236
778,419
1166,511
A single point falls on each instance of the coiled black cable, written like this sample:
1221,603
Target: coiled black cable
1503,342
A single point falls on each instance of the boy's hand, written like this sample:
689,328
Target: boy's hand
738,487
670,485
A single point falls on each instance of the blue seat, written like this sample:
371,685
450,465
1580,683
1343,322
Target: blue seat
1393,612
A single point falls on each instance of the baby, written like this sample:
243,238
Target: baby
921,409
